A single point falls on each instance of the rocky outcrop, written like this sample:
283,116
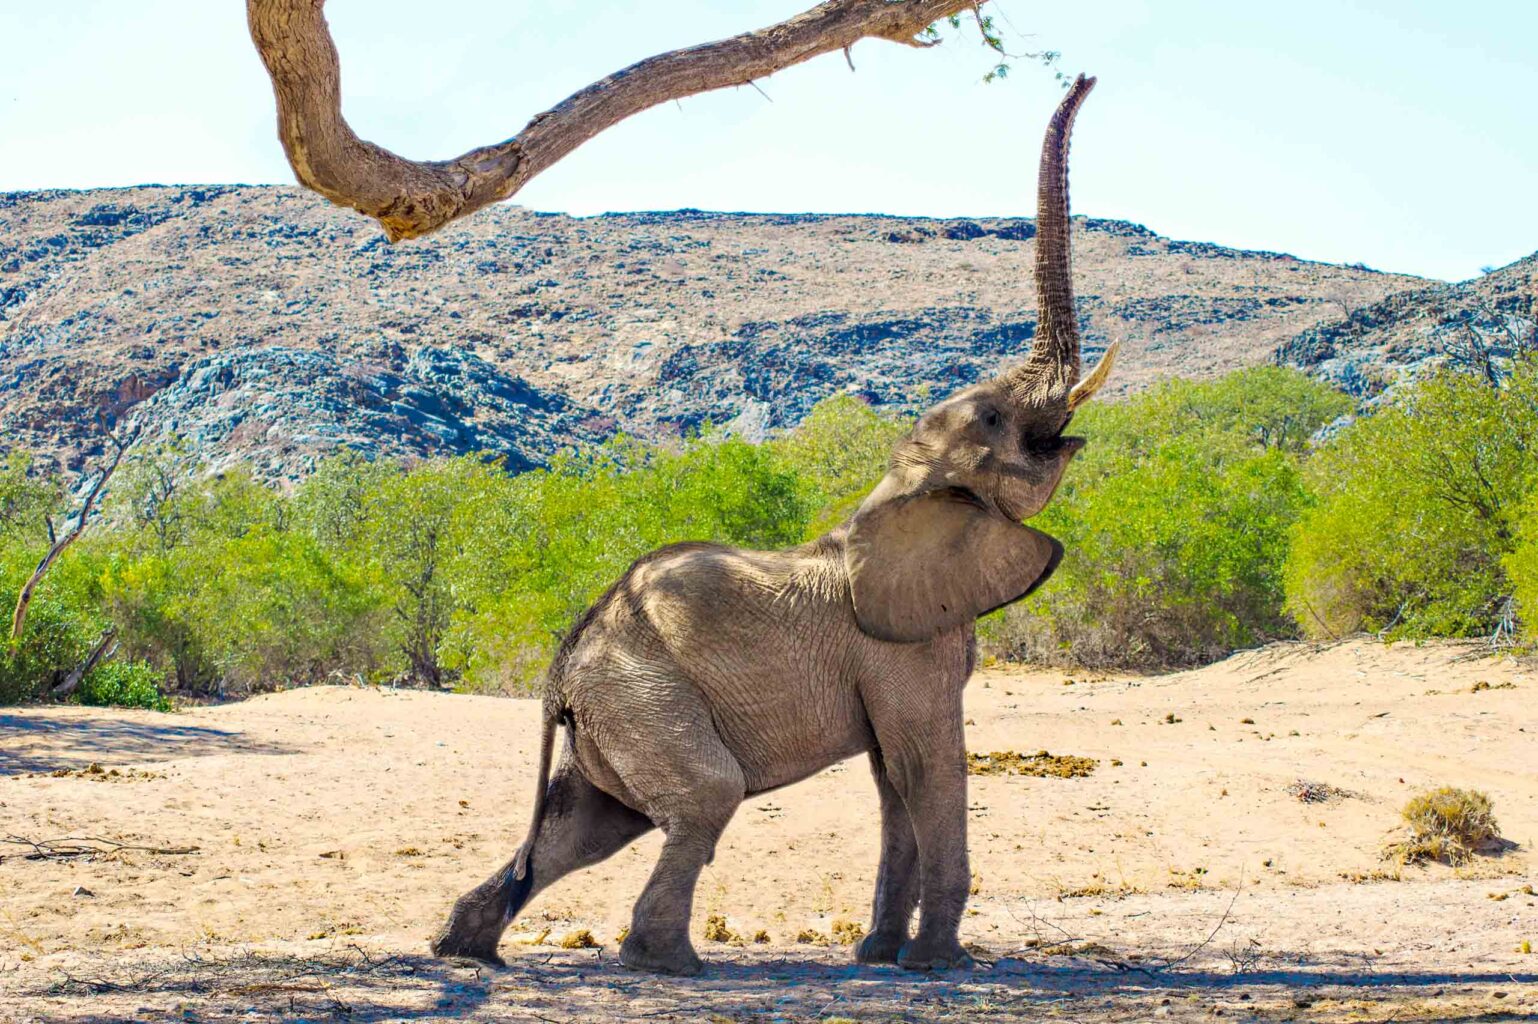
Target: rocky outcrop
1374,347
271,327
277,408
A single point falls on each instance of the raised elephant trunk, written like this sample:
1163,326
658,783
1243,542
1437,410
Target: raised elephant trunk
1052,369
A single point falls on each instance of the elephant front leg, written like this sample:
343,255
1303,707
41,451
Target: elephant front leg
897,878
932,780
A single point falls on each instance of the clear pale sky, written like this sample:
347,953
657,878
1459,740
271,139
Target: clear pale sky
1399,133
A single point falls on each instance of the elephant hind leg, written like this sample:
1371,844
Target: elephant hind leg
582,825
897,879
691,791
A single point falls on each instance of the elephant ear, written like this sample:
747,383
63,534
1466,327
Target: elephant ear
924,563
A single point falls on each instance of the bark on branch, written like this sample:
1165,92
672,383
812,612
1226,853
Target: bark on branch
59,544
411,197
105,648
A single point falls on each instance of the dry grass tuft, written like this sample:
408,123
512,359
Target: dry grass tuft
1448,825
579,939
1041,764
812,937
847,932
1098,890
716,930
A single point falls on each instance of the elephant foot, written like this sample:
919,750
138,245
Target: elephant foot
944,955
877,948
473,931
676,957
446,945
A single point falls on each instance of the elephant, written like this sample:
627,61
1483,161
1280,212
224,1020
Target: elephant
708,674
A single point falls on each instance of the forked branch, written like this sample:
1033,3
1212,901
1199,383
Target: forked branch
58,544
411,197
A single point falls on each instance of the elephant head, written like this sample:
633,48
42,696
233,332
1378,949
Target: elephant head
939,541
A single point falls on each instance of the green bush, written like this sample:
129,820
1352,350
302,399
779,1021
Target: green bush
1419,507
567,533
1522,567
272,609
64,621
1175,521
841,450
1198,520
123,684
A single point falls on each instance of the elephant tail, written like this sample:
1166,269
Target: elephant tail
554,714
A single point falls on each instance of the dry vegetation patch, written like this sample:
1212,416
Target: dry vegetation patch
1308,791
1041,764
1448,825
96,773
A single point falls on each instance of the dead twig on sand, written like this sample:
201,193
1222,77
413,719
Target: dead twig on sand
247,973
1227,911
90,847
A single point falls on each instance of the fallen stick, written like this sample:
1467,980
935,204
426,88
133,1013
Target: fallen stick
75,846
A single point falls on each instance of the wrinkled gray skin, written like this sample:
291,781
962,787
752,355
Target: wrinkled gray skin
708,674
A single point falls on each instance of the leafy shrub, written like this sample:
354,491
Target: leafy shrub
1521,566
1175,521
26,498
841,450
1448,825
271,608
1418,506
567,533
123,684
64,620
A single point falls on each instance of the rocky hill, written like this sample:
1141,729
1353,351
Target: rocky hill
268,326
1374,346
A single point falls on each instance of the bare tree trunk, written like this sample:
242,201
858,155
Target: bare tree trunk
59,544
411,198
105,647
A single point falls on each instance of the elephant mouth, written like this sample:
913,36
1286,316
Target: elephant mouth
1058,442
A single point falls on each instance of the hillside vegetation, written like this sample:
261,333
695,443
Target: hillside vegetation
1200,519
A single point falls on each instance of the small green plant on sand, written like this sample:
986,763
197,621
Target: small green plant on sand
1448,825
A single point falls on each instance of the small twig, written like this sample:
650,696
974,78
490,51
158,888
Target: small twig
1214,933
72,846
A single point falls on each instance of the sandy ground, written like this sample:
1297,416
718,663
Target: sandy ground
334,826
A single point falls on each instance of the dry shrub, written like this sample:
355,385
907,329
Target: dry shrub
579,939
716,930
847,932
1309,792
1448,825
1041,764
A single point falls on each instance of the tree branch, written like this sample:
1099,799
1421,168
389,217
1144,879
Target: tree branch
105,648
56,548
411,198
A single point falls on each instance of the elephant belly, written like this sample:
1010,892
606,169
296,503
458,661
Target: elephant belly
777,663
784,727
